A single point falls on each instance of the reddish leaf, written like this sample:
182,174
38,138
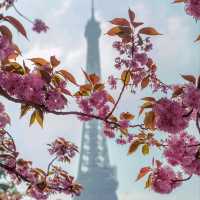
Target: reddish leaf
189,78
94,78
145,82
39,61
143,172
149,120
68,76
54,61
179,1
111,99
17,24
6,32
120,22
86,88
86,75
131,16
198,39
134,146
99,87
149,31
136,24
24,109
114,31
177,92
127,116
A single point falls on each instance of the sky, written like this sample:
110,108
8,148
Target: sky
174,52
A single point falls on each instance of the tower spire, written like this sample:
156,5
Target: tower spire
92,8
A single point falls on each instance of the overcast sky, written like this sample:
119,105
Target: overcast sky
175,54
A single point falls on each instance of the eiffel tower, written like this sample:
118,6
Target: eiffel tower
95,173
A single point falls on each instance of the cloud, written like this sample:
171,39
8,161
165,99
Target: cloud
63,8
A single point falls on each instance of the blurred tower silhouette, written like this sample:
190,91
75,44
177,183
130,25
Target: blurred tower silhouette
95,173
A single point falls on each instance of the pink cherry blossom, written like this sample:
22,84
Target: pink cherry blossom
124,124
108,131
39,26
112,82
121,141
141,58
6,48
164,180
55,101
63,149
182,149
192,8
191,97
170,116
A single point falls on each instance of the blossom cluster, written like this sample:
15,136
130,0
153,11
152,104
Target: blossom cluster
6,47
97,103
63,149
133,56
4,118
164,179
39,26
41,184
192,8
32,88
183,150
170,116
191,97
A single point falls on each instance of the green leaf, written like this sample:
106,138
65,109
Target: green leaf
40,117
33,118
148,182
145,149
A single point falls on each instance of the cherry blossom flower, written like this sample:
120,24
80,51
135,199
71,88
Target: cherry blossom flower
63,149
170,116
39,26
182,149
55,101
6,48
164,180
191,97
112,82
192,8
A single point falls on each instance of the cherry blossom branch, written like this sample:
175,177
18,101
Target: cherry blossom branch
182,180
197,121
77,113
50,164
23,16
119,98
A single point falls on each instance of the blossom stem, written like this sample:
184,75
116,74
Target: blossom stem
19,13
182,180
50,164
197,121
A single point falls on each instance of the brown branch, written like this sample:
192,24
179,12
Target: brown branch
77,113
197,121
182,180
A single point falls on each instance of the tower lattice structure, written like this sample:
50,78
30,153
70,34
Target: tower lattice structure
94,172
